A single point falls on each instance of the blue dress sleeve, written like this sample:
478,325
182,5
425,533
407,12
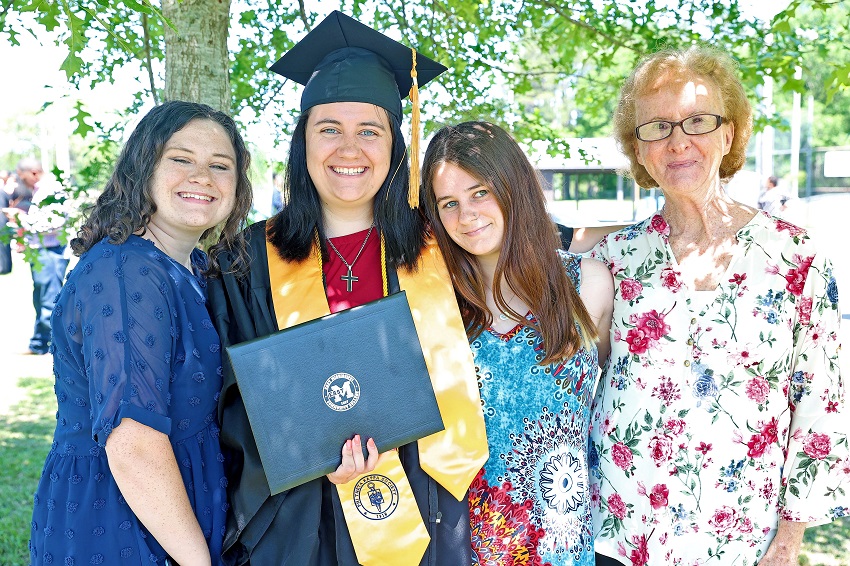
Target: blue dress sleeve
128,331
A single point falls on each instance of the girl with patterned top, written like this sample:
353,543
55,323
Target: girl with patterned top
136,472
533,313
719,428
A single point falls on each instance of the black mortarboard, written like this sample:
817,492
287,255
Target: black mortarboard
342,60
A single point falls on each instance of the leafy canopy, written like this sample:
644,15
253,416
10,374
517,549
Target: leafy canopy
548,68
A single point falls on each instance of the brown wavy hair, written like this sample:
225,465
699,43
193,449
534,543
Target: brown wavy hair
528,262
670,67
126,204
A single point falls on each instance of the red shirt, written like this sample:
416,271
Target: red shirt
369,285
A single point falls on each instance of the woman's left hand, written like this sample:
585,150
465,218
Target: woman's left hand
353,464
785,547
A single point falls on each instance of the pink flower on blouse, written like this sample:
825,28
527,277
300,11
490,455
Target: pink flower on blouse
660,449
758,389
658,496
666,391
743,356
638,341
670,279
630,289
595,498
817,445
608,424
796,276
640,555
804,309
738,278
616,506
757,446
676,426
622,456
652,323
703,447
723,520
659,225
745,525
792,229
770,430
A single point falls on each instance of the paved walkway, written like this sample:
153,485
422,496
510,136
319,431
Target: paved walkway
15,331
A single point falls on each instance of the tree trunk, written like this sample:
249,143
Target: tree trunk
197,64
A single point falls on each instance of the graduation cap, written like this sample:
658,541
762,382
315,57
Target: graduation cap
342,60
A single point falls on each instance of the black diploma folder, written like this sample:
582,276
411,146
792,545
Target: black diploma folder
309,388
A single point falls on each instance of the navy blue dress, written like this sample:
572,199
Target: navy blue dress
131,338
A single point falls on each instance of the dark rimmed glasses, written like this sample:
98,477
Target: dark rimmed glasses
692,125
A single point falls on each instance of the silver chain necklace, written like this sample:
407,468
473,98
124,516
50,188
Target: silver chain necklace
349,278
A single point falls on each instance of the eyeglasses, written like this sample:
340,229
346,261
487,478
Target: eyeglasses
692,125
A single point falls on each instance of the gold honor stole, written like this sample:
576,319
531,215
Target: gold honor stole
382,516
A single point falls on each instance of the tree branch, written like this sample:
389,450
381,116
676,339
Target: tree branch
559,9
148,58
303,12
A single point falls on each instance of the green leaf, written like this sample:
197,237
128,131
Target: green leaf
79,118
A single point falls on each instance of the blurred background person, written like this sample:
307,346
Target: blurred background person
36,209
773,199
5,231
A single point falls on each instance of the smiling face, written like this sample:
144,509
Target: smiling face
681,163
469,212
194,183
349,147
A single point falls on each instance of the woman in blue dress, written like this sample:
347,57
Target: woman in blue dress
536,316
135,474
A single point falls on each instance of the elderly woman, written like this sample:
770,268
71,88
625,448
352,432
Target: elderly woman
719,430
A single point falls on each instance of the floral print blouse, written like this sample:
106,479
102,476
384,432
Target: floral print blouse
719,412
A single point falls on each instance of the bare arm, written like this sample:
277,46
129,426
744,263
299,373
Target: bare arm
785,547
585,238
597,294
145,469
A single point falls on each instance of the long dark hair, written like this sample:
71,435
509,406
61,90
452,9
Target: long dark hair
126,204
528,261
292,230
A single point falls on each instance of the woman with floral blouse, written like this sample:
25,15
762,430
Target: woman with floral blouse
719,430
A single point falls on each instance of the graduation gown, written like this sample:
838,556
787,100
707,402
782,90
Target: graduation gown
303,526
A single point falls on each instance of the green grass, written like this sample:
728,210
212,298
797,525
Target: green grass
26,433
827,545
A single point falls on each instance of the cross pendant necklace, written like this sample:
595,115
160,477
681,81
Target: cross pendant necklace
349,277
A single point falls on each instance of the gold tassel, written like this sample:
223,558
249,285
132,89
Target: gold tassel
413,192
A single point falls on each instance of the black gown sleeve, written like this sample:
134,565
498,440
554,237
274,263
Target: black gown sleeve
566,234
